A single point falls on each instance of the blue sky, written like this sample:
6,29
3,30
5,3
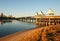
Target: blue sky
28,7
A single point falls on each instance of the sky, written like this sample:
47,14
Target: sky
20,8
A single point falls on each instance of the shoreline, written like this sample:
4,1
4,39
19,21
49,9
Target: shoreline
34,34
21,31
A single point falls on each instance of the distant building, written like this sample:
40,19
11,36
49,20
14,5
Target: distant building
48,19
50,12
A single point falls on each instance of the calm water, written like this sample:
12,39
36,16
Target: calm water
14,26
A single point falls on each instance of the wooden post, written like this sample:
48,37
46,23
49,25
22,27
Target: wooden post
37,22
49,21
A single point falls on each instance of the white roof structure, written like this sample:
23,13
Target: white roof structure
40,13
50,12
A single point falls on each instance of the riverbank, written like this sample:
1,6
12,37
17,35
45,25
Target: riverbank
48,33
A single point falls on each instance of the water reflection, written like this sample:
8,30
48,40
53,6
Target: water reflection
5,21
12,26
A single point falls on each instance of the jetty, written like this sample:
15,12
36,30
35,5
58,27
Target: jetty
42,19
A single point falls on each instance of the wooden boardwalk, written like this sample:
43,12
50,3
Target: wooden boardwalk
42,20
